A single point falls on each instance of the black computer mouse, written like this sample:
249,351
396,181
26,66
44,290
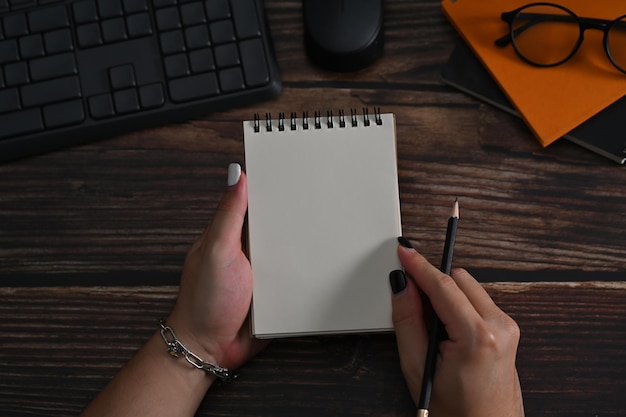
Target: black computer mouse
343,35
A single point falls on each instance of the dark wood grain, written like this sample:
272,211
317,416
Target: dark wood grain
61,346
92,240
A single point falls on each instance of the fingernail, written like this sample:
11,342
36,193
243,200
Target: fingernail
397,280
234,174
405,243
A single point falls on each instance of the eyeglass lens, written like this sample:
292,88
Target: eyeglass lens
548,35
545,35
616,43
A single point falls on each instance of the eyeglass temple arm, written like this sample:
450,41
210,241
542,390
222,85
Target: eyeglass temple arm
533,19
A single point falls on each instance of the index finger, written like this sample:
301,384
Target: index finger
450,303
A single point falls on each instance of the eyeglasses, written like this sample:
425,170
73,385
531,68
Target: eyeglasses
546,34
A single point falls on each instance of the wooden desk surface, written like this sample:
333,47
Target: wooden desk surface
92,240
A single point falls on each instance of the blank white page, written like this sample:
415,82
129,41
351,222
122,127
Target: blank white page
323,222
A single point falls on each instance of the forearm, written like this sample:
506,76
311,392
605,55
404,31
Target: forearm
153,383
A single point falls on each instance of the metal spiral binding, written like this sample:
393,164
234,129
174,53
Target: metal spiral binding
257,127
305,120
353,117
268,122
317,120
294,116
281,121
377,118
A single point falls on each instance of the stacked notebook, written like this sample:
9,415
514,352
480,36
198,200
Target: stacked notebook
581,100
604,133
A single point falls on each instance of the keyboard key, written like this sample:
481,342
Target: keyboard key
58,41
101,106
48,18
114,30
53,66
176,66
16,73
168,19
194,87
222,32
20,123
31,46
8,51
164,3
1,79
245,18
231,79
122,77
89,35
64,114
109,8
126,101
201,61
9,100
1,31
217,9
53,91
139,25
151,96
15,25
226,55
197,37
254,63
135,6
85,11
192,14
21,3
172,42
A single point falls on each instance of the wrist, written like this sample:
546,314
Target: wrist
193,335
178,349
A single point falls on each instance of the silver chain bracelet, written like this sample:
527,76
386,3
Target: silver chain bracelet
175,348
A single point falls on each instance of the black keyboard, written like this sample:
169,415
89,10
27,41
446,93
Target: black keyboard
76,71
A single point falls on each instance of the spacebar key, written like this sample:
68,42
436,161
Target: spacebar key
52,91
19,123
194,87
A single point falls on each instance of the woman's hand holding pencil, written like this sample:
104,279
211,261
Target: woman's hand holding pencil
475,374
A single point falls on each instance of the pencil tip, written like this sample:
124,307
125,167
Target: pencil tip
455,208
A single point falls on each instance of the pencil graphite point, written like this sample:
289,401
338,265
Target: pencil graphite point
455,208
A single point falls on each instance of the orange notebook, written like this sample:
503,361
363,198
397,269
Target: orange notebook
554,100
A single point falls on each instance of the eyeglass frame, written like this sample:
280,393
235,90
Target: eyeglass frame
584,23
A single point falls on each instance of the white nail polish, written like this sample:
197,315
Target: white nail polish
234,174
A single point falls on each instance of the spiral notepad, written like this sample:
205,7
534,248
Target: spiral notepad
323,219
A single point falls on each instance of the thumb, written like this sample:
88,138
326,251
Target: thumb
231,212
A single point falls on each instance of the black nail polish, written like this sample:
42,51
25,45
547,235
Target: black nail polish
405,242
397,280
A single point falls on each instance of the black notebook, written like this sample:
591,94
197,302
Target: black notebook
604,133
